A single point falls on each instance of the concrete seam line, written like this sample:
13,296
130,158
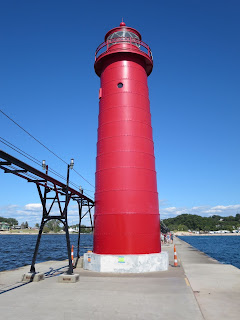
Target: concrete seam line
186,278
187,282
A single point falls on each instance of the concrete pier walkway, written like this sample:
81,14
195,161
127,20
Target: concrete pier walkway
216,286
200,288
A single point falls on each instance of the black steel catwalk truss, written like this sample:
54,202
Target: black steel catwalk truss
50,191
164,228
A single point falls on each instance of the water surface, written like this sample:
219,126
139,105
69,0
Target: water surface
225,249
17,250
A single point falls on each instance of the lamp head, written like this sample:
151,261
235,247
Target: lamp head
71,163
44,164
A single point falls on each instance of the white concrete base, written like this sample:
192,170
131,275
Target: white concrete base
68,278
80,262
32,277
129,263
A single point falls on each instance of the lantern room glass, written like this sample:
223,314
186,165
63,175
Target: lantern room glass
123,34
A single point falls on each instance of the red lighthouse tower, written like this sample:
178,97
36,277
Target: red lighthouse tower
126,220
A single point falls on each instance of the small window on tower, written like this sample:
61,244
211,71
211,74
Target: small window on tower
100,93
120,85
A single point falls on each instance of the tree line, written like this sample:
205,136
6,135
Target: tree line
56,226
10,221
185,222
13,222
51,226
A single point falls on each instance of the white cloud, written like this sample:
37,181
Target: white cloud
162,202
170,209
33,206
221,209
32,212
13,206
200,210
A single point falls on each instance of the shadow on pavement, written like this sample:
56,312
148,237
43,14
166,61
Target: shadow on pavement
49,274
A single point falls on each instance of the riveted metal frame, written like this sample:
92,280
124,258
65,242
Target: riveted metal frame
46,185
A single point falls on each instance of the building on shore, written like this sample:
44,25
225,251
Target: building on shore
4,226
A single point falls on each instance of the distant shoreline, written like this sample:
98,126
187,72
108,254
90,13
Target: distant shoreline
179,233
36,233
205,234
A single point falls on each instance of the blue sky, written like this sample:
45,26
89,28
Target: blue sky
48,85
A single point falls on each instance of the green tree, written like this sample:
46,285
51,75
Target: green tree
182,227
52,225
195,222
84,229
46,229
11,221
